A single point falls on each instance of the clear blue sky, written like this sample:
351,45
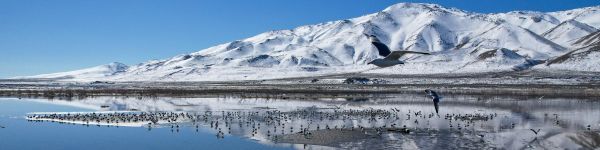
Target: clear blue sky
45,36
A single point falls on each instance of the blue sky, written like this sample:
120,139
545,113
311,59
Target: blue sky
42,36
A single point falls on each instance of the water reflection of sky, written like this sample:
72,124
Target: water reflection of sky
22,135
515,123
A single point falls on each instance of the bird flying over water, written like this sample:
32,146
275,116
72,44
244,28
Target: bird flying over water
391,57
435,98
535,131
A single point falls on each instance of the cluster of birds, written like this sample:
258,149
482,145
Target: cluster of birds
272,123
111,118
272,118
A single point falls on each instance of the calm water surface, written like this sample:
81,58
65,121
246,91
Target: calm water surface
362,122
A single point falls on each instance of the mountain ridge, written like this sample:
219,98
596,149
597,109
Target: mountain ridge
456,37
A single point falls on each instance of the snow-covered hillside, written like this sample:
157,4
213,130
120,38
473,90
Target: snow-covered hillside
459,41
93,73
568,31
584,58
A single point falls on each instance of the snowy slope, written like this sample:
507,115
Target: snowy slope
537,22
568,31
584,58
540,22
588,40
97,72
456,38
587,15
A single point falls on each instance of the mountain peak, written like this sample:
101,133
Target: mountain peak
421,7
414,5
116,66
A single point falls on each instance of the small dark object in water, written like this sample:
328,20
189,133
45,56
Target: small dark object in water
357,99
405,130
314,80
379,81
356,80
2,127
589,127
401,130
104,106
101,82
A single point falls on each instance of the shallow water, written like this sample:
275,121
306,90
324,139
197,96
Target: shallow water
363,122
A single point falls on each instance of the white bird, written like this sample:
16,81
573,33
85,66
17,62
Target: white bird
391,58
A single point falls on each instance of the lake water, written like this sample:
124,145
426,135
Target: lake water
360,122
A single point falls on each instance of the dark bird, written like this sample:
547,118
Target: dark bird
535,131
435,98
391,58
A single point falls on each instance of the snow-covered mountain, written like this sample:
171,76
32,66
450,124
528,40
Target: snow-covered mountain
568,31
584,58
460,41
93,73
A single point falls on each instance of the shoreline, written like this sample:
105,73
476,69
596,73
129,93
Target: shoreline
525,83
278,90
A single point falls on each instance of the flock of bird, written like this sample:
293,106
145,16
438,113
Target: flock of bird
273,123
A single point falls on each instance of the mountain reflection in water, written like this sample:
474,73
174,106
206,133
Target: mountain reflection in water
388,121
